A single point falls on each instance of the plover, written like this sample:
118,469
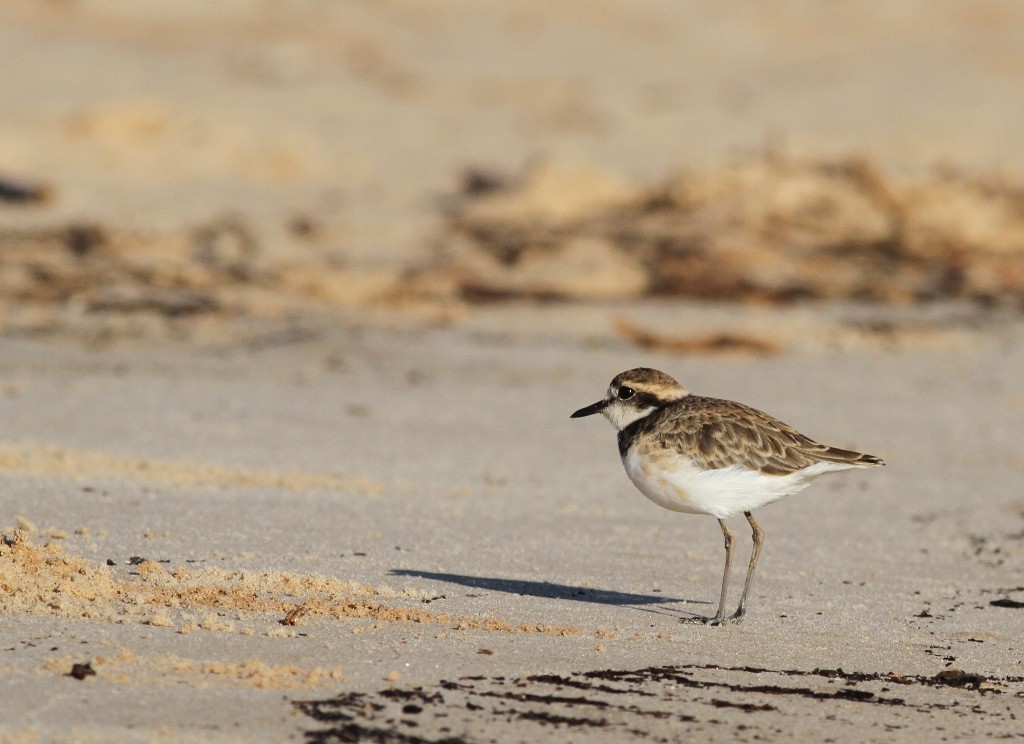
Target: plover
703,455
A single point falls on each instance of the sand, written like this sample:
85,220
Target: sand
502,544
297,300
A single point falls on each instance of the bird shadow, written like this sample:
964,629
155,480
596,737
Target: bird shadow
548,590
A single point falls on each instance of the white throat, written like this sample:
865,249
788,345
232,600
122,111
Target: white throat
622,414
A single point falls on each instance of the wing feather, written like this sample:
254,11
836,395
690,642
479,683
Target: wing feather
727,433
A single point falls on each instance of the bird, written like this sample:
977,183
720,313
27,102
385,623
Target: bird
700,455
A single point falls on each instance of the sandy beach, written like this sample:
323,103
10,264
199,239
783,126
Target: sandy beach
296,300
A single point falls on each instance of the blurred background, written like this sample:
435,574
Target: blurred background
166,168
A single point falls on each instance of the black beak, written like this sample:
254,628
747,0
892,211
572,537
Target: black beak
591,409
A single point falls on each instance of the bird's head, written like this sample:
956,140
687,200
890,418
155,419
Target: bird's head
633,395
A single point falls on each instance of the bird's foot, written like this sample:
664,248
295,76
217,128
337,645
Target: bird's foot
714,621
695,620
733,619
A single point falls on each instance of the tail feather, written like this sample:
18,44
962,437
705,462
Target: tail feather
857,459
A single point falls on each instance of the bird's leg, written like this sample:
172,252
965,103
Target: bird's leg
719,617
758,534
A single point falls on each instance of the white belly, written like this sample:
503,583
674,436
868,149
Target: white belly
675,483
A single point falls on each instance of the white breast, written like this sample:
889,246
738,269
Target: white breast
674,482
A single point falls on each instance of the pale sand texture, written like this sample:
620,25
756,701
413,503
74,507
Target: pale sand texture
153,114
503,541
263,505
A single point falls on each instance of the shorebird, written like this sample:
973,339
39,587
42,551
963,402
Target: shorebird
710,456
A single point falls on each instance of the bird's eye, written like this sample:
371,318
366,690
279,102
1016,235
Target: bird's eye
625,393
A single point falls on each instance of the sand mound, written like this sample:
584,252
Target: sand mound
771,229
45,580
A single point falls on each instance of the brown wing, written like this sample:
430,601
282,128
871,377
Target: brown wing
728,433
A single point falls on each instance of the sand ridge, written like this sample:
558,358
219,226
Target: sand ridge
126,667
773,229
46,580
83,465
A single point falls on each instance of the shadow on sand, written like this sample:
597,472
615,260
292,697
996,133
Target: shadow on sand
548,590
